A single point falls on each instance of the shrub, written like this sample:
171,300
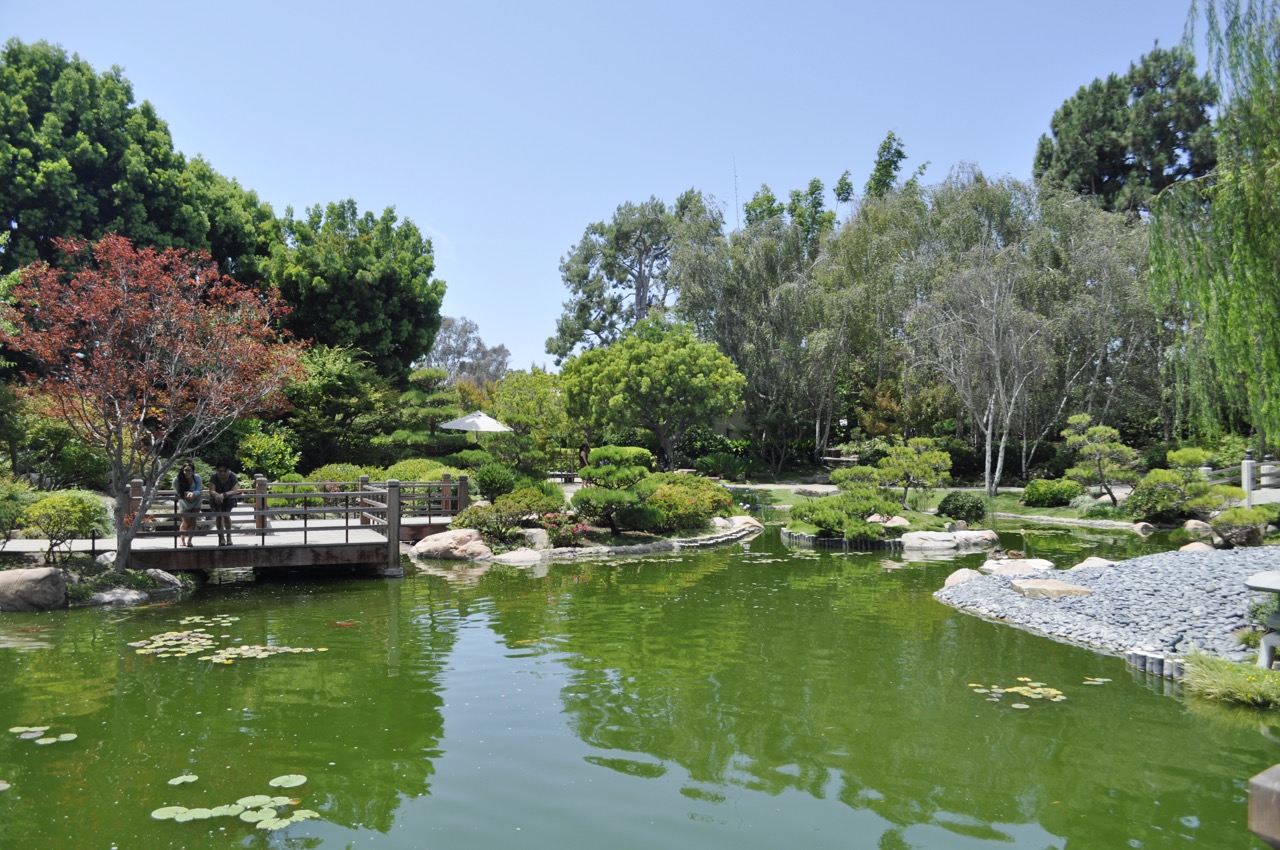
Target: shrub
67,514
600,504
965,507
639,517
1240,526
723,465
335,474
494,523
270,453
617,467
845,514
563,529
1050,493
494,480
699,441
469,458
1217,678
853,476
1161,497
294,500
415,469
529,504
15,496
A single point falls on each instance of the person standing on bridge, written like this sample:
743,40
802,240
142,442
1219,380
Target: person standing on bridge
223,489
189,490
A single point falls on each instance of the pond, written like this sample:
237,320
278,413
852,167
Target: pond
746,697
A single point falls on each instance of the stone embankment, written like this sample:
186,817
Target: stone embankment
1169,604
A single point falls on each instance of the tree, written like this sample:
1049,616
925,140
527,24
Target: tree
147,354
618,272
1102,460
532,403
429,401
339,406
461,353
1125,139
657,377
889,159
1214,244
360,281
79,158
918,465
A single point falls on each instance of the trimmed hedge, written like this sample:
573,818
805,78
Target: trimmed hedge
1051,493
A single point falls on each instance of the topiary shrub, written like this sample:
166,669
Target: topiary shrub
65,515
617,467
469,458
644,518
1159,498
965,507
852,477
1240,526
415,469
294,499
1051,493
601,505
494,524
530,503
493,480
335,476
845,514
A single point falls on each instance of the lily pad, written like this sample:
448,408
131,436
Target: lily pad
274,823
1019,705
18,730
31,733
183,779
44,742
289,780
168,812
229,810
281,801
304,814
253,801
4,786
68,736
256,815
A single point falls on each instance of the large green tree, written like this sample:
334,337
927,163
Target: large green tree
1215,241
657,377
1123,139
79,158
618,272
362,281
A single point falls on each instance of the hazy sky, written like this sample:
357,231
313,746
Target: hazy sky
503,129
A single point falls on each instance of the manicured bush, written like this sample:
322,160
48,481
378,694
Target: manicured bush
469,458
852,477
335,474
1161,497
415,469
601,505
295,499
723,465
639,517
530,503
1051,493
845,514
493,480
495,524
1240,526
965,507
617,467
65,515
562,528
270,453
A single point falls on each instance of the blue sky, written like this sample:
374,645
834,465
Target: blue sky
504,129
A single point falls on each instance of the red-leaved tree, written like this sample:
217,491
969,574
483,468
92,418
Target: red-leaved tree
148,354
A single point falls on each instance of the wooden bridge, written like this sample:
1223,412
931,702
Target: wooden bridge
293,525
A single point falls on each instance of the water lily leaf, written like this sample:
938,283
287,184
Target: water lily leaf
199,814
184,817
18,730
228,810
1019,705
274,823
304,814
4,786
184,778
256,815
280,801
46,741
68,736
168,812
31,733
981,691
289,780
253,801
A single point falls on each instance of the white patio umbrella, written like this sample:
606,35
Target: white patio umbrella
476,421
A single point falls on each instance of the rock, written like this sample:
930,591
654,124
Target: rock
1047,588
960,576
537,538
721,523
1143,528
459,544
897,522
875,518
960,525
36,589
1093,561
745,522
106,559
984,538
930,540
1038,563
1196,546
163,579
1196,526
1010,568
120,596
522,557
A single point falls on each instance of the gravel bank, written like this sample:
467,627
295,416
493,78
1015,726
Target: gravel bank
1169,604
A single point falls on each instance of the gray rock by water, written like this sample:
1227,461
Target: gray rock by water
36,589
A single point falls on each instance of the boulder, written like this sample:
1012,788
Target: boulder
1093,561
459,544
984,538
36,589
897,522
745,522
163,579
1196,546
120,596
1197,526
1010,568
875,518
522,557
1047,588
939,541
960,576
1143,528
720,523
536,538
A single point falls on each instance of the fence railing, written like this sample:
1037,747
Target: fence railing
1249,476
311,507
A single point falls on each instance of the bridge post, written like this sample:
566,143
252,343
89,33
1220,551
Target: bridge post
362,485
259,501
1247,469
464,498
135,495
393,524
446,495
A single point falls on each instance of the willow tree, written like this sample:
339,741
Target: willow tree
1214,239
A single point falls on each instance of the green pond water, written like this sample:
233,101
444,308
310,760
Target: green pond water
745,697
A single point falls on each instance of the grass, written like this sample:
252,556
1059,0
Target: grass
1226,681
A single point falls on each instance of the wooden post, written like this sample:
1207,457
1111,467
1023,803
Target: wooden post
259,501
446,495
393,524
362,485
463,497
135,495
1264,805
1247,468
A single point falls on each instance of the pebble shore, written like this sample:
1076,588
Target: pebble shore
1171,604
